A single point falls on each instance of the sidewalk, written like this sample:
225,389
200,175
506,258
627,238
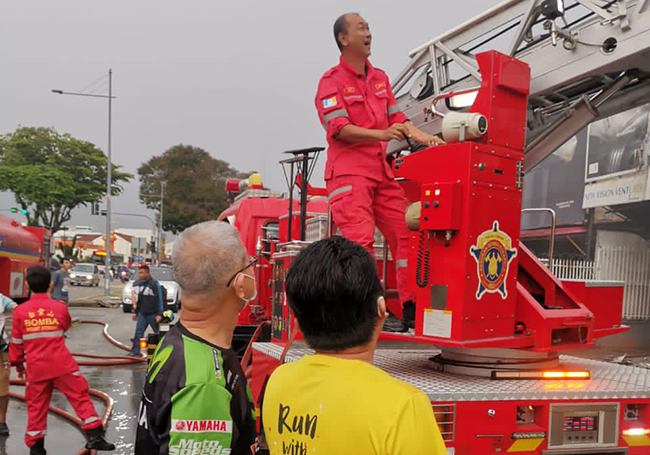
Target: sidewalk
113,300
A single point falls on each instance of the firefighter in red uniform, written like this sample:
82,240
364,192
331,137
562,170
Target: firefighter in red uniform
37,339
357,108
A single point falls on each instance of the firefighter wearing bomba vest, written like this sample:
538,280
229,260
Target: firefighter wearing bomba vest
358,110
38,348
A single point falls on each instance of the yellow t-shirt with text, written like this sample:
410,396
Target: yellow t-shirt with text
322,405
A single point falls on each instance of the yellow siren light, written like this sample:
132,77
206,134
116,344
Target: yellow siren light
636,432
255,181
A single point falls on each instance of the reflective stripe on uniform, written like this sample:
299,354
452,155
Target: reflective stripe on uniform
31,336
401,263
381,92
17,340
90,420
76,373
338,191
353,97
393,109
332,115
36,433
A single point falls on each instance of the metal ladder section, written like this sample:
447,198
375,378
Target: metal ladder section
590,63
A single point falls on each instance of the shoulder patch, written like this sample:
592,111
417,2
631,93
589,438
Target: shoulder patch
329,102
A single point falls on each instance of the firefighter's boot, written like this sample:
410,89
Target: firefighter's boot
96,441
38,448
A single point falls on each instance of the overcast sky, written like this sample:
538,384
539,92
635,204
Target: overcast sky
237,78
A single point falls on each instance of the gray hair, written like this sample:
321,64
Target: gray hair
205,255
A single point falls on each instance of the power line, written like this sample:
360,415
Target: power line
93,83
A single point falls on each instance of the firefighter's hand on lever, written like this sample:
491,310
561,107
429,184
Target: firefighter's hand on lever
419,136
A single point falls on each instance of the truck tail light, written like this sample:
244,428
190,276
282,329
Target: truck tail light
540,375
566,375
445,415
143,343
636,431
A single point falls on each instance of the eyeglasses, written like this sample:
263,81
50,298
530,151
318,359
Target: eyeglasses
252,260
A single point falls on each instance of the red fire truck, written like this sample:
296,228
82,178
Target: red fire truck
491,320
20,248
493,325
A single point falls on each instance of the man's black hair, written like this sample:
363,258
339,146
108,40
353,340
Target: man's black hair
332,288
341,26
38,279
143,267
64,259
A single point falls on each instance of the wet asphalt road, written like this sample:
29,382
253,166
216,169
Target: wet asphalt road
123,383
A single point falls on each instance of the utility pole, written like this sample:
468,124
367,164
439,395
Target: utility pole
160,225
109,187
161,196
109,172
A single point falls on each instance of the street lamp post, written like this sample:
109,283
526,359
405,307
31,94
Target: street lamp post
109,174
162,201
160,218
153,223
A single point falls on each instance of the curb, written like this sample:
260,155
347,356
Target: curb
98,300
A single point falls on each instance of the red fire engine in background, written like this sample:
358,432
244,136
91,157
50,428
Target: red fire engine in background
21,247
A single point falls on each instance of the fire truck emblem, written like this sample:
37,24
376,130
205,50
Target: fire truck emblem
493,252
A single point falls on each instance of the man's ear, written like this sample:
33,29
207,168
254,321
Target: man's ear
381,307
294,321
343,39
238,286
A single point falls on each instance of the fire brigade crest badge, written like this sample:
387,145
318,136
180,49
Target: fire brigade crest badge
493,252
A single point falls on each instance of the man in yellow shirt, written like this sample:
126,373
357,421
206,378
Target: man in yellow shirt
336,401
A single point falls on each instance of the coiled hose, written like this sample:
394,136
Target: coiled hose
423,256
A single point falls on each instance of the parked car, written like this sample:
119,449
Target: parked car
165,276
84,275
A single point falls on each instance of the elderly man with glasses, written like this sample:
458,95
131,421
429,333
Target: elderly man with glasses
196,398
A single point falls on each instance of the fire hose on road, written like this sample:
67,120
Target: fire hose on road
105,360
108,360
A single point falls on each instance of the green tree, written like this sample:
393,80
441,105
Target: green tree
51,174
195,185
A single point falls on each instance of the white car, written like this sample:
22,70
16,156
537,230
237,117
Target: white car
84,275
165,277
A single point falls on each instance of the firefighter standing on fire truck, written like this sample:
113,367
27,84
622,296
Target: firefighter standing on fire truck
357,108
37,339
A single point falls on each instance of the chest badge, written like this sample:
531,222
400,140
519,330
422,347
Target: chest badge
493,253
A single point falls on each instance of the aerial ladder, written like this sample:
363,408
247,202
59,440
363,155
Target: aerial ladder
589,59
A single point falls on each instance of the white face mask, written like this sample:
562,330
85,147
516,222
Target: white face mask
247,301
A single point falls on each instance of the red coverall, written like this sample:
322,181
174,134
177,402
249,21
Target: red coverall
361,186
37,338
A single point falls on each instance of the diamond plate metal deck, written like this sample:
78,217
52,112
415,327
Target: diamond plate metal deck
608,380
